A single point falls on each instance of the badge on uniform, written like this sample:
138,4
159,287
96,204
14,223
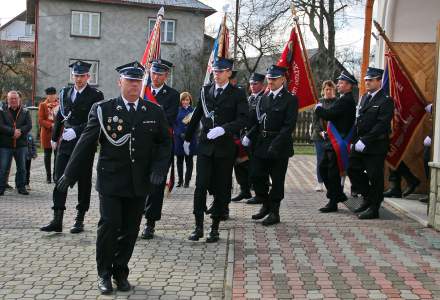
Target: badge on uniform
118,107
109,128
114,135
115,119
144,108
119,127
109,120
120,121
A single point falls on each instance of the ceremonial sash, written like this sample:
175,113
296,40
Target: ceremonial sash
340,145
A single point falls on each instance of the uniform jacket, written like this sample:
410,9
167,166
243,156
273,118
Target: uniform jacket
23,122
32,149
317,124
341,112
169,99
179,132
230,112
46,117
125,170
79,110
281,116
373,124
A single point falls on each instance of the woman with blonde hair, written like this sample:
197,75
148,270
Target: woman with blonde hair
183,118
328,93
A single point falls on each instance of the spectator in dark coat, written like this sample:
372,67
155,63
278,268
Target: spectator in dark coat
183,118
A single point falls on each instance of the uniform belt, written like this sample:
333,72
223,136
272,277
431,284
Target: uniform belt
267,133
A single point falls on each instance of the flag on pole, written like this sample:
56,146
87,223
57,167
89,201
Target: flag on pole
220,49
298,78
152,51
409,109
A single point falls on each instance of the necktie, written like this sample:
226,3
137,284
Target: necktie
132,110
271,96
154,92
367,100
218,92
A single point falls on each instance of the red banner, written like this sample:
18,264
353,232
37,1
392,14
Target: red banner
409,110
298,81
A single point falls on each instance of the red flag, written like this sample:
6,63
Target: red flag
409,110
298,81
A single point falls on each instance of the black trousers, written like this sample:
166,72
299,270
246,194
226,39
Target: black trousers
189,167
328,168
154,203
118,229
426,159
48,160
370,183
213,174
28,170
261,169
402,171
84,184
242,175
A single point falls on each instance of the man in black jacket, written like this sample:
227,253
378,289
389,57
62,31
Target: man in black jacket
169,99
71,119
370,144
222,110
272,124
15,123
134,154
340,116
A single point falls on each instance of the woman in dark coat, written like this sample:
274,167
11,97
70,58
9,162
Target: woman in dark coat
183,118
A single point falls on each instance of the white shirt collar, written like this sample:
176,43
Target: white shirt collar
128,106
221,87
276,92
374,93
75,92
156,89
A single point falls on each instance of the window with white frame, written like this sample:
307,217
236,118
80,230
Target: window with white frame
86,24
167,30
94,71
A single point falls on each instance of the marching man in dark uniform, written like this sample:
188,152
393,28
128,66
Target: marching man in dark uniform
370,144
241,169
135,151
169,99
272,124
71,119
222,110
340,116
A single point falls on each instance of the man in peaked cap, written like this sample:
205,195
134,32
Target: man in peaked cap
241,168
370,144
222,111
169,99
134,155
75,103
272,124
340,116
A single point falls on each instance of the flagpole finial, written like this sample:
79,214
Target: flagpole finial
161,12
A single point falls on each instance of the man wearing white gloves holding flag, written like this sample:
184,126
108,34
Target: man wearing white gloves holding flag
71,119
222,111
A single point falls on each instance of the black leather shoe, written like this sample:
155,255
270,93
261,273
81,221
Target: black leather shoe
148,233
224,217
392,193
22,191
77,227
56,224
343,198
264,211
330,207
410,189
271,219
241,196
196,234
369,214
255,200
186,185
179,184
105,285
9,187
364,206
122,284
2,192
213,236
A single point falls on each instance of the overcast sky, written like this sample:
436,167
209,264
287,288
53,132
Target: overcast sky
350,36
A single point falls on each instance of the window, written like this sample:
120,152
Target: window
94,70
85,24
28,30
167,30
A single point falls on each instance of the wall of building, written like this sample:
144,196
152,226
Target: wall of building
16,31
122,40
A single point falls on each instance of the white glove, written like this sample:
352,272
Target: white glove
69,134
359,146
427,141
428,108
215,132
245,141
53,145
318,105
186,147
322,134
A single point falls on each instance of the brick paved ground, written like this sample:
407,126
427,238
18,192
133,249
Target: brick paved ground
308,256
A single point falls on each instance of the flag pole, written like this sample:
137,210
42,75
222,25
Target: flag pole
405,70
237,12
367,42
